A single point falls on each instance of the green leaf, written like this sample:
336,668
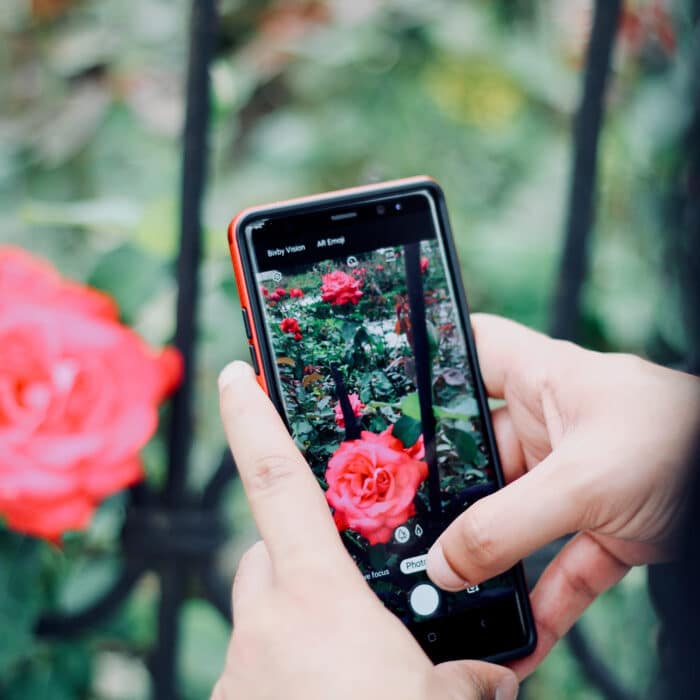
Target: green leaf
433,338
205,637
362,336
301,427
20,597
407,430
377,557
382,385
410,406
105,215
461,408
464,443
348,331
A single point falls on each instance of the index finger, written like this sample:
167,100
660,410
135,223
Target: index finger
287,503
506,348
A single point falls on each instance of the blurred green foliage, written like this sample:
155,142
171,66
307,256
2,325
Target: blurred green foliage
310,95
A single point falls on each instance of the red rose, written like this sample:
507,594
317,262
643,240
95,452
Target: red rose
380,268
340,288
424,264
280,292
24,278
357,408
372,483
290,325
264,291
296,292
79,397
274,297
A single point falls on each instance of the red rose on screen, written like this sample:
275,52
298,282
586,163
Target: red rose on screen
280,292
296,292
357,408
417,450
290,325
340,288
79,394
424,264
372,483
264,291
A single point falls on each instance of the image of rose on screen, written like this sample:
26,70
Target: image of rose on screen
342,335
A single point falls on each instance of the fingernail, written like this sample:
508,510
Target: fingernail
507,689
441,573
234,372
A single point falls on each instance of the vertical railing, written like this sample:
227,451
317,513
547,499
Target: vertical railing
173,533
573,268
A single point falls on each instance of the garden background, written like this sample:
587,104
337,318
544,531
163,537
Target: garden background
307,96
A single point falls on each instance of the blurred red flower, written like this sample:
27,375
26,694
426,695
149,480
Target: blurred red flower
372,483
79,395
357,408
424,264
296,292
340,288
291,325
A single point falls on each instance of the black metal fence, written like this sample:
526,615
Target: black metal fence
176,533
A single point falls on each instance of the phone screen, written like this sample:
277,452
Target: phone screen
374,374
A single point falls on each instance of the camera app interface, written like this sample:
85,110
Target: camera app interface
373,371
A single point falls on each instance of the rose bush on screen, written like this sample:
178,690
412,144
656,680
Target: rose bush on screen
79,395
372,483
339,288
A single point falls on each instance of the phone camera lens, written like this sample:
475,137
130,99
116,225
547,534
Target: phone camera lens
381,209
398,206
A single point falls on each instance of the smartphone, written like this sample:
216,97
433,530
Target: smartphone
359,331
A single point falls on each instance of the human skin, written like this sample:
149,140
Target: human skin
307,625
592,444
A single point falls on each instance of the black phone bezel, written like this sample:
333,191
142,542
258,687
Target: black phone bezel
332,201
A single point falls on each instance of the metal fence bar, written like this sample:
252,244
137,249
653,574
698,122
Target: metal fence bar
194,166
573,269
574,265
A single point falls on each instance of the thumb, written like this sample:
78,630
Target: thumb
477,680
497,531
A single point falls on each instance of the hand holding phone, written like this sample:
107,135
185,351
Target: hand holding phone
592,443
359,332
307,627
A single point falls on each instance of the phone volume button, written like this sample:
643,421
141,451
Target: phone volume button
254,359
246,323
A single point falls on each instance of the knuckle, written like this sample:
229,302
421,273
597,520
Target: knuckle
476,540
578,583
271,473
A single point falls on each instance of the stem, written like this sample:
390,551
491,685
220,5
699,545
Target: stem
352,427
